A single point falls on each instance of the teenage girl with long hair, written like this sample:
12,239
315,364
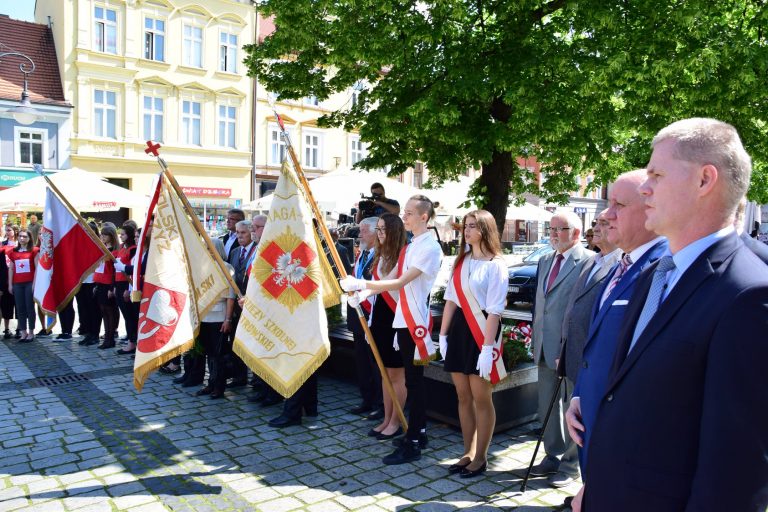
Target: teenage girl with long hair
123,256
21,274
104,277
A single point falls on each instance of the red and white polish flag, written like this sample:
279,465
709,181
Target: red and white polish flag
67,256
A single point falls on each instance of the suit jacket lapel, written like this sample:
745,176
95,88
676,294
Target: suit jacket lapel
701,269
566,268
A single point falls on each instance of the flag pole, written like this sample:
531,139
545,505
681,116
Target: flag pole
196,222
95,239
339,266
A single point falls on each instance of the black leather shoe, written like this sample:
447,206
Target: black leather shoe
166,370
284,421
376,415
7,335
373,433
237,383
361,409
217,394
107,344
383,437
471,473
42,333
271,400
180,380
85,340
204,391
93,340
457,468
408,452
423,441
124,352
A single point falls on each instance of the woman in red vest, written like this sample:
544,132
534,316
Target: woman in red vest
104,277
130,311
7,304
21,274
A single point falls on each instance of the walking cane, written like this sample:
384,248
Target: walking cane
555,396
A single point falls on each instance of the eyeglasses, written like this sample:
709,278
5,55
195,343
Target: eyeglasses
380,230
557,230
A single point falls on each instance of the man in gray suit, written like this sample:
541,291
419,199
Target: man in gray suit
557,275
578,312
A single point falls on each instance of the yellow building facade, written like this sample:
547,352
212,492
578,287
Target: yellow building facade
164,70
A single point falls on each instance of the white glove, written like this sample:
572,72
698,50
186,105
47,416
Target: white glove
119,265
395,344
485,361
359,297
352,284
443,345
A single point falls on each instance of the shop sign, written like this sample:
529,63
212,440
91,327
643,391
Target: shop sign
11,178
579,209
207,191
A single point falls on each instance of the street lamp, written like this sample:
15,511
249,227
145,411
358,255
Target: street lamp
24,113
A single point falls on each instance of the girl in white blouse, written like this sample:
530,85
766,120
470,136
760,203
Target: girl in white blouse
474,301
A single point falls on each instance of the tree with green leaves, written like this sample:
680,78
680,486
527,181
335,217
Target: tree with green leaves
582,85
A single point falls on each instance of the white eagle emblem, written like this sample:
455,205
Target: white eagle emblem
288,271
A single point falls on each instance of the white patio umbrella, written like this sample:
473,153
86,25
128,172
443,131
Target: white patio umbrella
528,211
85,191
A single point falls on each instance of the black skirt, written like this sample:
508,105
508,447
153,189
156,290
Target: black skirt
462,350
384,334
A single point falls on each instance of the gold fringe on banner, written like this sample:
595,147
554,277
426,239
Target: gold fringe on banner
141,373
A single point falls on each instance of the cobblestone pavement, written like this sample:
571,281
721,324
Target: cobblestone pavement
88,441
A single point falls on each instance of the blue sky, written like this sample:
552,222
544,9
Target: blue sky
18,9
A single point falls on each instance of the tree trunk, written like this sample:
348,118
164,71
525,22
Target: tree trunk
497,173
495,178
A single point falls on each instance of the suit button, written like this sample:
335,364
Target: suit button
585,364
609,398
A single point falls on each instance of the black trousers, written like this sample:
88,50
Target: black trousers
305,398
212,341
239,370
88,310
129,310
368,376
67,318
414,383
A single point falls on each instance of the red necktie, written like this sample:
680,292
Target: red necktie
555,270
242,257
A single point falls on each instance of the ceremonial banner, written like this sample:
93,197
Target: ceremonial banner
282,334
181,283
67,255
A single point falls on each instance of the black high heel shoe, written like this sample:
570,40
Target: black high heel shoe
471,473
383,437
457,468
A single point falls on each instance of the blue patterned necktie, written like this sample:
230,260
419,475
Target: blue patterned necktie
654,298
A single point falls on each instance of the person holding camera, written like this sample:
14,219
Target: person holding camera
377,204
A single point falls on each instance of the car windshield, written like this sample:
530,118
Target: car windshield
538,253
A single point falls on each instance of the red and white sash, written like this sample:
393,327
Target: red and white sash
476,320
419,327
388,297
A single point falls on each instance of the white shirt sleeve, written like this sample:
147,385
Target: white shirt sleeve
496,292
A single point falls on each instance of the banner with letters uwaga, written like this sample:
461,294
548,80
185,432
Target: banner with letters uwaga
182,282
282,334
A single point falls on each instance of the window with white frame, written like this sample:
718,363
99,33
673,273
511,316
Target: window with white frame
30,146
190,122
193,46
105,30
154,39
227,126
153,118
312,155
228,52
311,100
357,150
277,147
356,94
105,113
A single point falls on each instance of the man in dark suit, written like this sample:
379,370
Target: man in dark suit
368,376
557,274
578,312
240,259
640,247
229,239
683,423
